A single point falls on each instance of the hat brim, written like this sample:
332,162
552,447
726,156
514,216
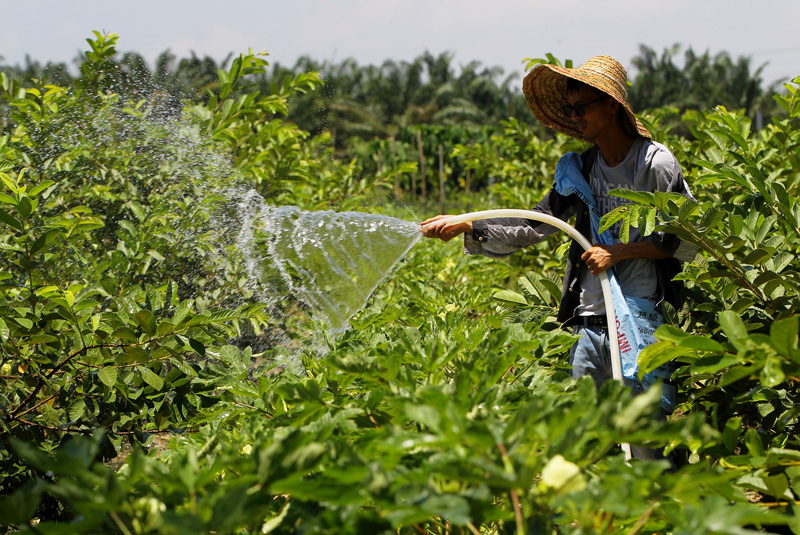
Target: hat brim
545,89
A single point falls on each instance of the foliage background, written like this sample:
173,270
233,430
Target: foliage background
142,386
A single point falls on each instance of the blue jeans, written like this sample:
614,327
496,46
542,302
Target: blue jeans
591,355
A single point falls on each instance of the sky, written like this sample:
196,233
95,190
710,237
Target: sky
494,32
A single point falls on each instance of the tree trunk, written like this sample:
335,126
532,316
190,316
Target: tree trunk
441,181
394,169
422,165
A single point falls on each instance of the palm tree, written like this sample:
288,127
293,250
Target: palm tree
47,73
702,83
381,101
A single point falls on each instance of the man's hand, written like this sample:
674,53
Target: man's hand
601,257
437,228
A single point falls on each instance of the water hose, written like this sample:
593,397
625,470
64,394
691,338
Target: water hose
611,317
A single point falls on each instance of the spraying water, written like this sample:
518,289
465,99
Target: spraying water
297,263
330,262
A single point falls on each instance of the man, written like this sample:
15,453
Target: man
588,103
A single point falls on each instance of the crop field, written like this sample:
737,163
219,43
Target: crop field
151,383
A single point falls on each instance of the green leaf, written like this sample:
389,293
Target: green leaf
776,456
764,228
155,254
716,274
657,354
701,343
41,339
641,197
198,346
151,378
185,368
10,221
625,230
784,334
19,506
221,316
271,524
76,409
772,485
532,290
125,334
731,433
138,210
687,209
43,185
710,219
772,373
608,220
108,376
130,227
753,442
7,247
713,364
553,288
670,333
732,325
165,327
451,507
24,322
510,297
233,356
24,207
38,243
648,221
735,373
69,297
756,257
83,304
9,183
146,321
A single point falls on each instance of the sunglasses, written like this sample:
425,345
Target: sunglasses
580,108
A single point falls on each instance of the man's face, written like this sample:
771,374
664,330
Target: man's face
598,111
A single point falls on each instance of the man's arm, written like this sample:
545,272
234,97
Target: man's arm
601,257
503,236
500,237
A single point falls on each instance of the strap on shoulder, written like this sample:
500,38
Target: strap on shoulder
589,156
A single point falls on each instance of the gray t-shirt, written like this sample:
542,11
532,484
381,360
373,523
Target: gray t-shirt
649,166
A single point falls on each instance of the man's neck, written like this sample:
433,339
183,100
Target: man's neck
615,147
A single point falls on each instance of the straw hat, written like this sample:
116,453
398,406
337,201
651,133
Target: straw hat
545,88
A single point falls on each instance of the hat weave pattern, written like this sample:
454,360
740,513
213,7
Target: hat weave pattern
545,90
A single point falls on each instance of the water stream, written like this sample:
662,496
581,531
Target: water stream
299,264
328,262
